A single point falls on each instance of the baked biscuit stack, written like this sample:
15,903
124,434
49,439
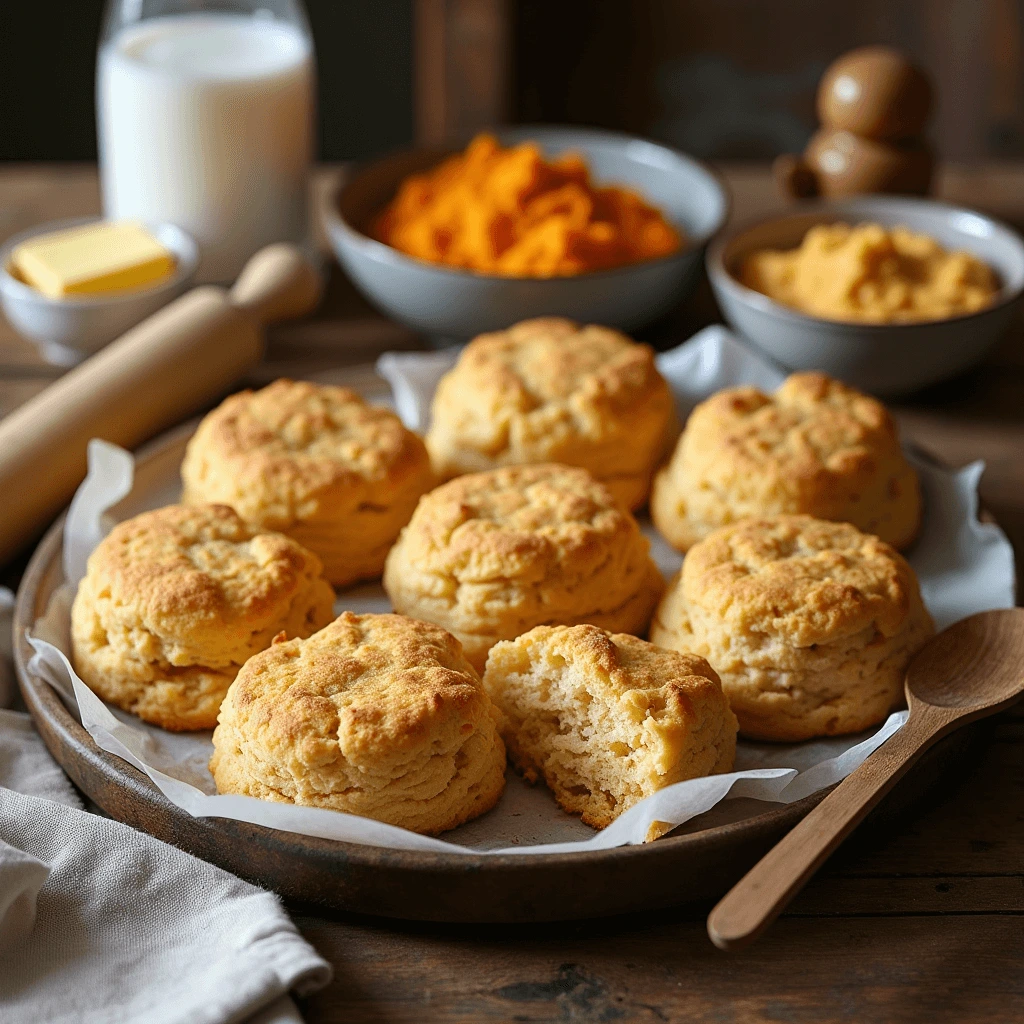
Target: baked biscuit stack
377,715
810,624
549,390
815,447
491,555
317,463
174,602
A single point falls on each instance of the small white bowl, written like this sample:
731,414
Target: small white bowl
68,330
884,359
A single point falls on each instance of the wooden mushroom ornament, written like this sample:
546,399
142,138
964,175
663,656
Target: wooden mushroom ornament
873,104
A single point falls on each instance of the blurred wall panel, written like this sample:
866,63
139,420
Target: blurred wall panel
461,67
736,78
722,78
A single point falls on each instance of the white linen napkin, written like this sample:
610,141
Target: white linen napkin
101,923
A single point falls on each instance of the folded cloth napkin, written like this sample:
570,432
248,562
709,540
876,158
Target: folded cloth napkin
102,923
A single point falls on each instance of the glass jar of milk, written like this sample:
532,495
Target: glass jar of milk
205,113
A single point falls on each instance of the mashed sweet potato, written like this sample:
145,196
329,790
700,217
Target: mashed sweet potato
871,275
512,213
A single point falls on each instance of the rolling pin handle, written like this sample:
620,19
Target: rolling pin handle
278,283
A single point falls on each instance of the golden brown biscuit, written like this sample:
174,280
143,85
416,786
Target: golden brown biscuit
377,715
816,447
810,624
549,390
175,601
491,555
607,719
316,463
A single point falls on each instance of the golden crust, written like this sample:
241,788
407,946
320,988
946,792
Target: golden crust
314,462
376,715
491,555
549,390
607,719
176,600
810,624
816,447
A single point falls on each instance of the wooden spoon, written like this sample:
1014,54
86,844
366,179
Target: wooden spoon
972,669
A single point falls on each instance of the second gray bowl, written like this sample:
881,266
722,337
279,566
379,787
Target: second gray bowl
884,359
459,304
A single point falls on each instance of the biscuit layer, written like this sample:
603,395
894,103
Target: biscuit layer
607,719
175,601
314,462
549,390
376,715
815,447
810,624
491,555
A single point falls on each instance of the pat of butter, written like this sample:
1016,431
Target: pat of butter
108,256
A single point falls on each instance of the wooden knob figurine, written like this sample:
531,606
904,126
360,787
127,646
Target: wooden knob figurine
873,104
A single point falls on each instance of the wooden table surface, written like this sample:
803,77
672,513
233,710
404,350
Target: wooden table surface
922,923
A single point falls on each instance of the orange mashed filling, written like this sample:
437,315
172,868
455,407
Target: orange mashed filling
511,213
869,274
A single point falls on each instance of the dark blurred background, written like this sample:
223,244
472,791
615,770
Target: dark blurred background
725,79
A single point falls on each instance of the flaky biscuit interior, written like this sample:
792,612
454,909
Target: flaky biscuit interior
606,719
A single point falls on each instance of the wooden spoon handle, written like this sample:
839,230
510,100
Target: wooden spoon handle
759,897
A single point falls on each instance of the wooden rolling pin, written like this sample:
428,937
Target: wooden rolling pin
164,369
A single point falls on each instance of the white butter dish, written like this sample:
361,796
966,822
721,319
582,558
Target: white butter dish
67,330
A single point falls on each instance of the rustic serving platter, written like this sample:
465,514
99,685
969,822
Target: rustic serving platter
698,862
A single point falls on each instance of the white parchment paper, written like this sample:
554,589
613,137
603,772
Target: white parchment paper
964,566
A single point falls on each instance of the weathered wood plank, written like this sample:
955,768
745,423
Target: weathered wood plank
839,896
807,971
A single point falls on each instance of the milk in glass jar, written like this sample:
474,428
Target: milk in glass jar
205,113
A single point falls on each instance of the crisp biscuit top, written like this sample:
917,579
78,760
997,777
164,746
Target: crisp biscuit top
549,390
812,426
551,360
274,453
379,715
202,580
491,555
800,579
815,446
524,523
369,687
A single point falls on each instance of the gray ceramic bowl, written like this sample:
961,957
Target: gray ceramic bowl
885,359
66,331
458,304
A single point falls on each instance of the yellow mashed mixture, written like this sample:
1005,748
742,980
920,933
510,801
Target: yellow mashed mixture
871,275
